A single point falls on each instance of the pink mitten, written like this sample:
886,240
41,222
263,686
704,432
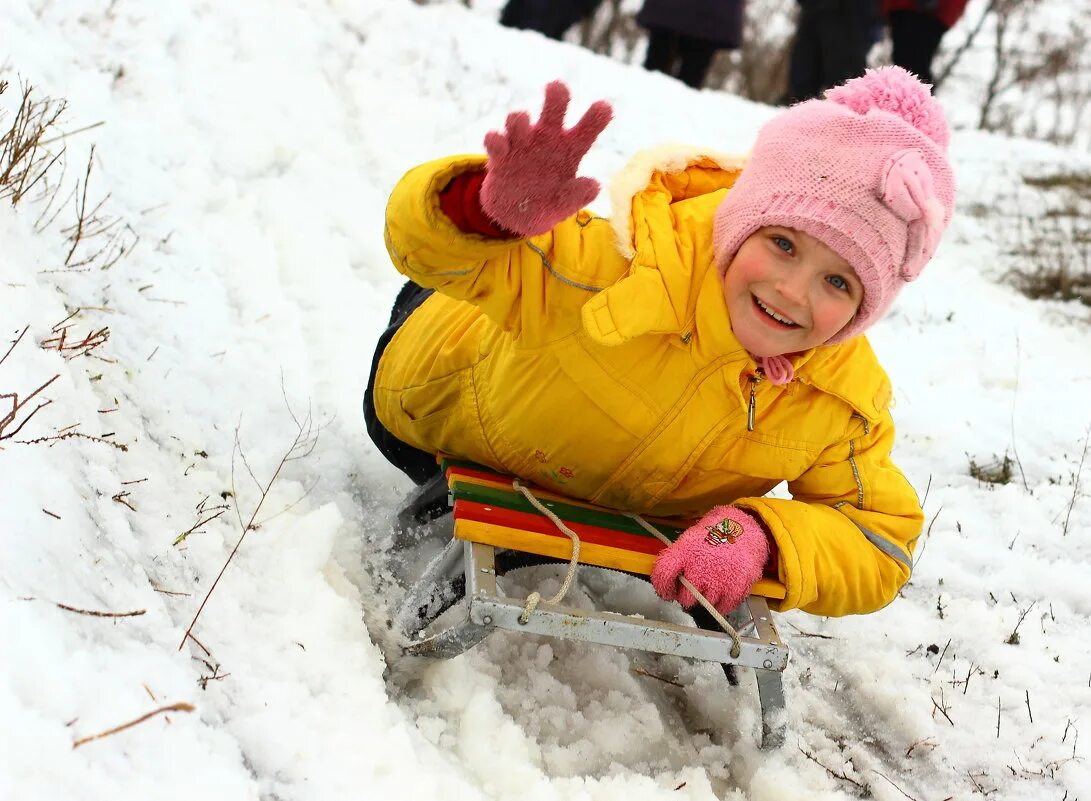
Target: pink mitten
530,178
722,556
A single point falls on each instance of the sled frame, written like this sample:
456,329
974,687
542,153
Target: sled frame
466,570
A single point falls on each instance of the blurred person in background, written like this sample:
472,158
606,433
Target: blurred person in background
831,44
684,35
916,28
550,17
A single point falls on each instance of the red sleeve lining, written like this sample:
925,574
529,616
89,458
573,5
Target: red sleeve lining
460,200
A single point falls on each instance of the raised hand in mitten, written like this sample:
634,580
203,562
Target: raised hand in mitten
530,178
722,556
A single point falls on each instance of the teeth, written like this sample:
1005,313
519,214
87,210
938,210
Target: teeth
773,314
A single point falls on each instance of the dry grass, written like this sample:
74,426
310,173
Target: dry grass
25,154
1052,250
998,470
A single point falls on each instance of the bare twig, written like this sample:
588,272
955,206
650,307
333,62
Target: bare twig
892,784
170,592
14,343
23,158
71,349
291,505
201,645
803,633
942,707
301,446
182,537
1013,638
67,134
17,405
56,329
182,706
90,612
94,613
927,536
1015,395
977,784
74,435
831,772
969,674
81,209
927,741
940,662
941,74
642,672
1075,483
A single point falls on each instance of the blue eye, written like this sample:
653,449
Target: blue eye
782,243
839,283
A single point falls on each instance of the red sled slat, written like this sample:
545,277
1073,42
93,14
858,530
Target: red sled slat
540,524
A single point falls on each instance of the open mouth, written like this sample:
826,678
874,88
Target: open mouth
775,317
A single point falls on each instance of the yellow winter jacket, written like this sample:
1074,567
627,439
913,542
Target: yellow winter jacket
598,360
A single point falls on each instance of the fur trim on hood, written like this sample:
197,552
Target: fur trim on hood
637,174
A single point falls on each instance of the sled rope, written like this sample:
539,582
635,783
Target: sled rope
573,564
736,644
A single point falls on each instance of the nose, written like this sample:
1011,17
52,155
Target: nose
792,285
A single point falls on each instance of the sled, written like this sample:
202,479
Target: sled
496,527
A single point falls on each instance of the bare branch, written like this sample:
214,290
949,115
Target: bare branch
81,208
90,612
179,707
1075,482
1013,638
17,405
14,343
75,435
182,537
831,772
301,435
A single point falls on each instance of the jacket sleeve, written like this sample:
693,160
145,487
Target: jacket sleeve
533,288
846,539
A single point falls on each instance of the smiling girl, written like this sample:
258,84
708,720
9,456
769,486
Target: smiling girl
692,353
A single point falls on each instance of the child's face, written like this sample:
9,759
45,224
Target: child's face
812,291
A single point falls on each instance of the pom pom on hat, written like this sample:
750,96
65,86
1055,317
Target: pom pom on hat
897,91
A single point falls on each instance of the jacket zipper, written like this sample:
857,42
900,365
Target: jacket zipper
752,408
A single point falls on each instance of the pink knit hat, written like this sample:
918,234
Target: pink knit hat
864,171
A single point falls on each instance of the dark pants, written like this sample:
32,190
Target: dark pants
417,464
683,57
916,38
831,45
551,17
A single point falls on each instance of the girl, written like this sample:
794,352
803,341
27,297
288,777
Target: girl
692,353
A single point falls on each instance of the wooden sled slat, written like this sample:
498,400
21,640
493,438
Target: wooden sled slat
488,510
557,546
601,518
596,548
463,473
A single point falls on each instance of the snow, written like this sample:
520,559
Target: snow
251,154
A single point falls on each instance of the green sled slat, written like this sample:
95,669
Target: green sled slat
601,518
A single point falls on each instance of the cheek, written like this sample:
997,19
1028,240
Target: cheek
744,271
834,313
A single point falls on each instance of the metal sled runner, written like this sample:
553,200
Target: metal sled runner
496,529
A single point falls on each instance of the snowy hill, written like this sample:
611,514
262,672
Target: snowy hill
242,161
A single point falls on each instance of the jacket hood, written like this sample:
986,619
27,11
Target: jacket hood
675,172
664,202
